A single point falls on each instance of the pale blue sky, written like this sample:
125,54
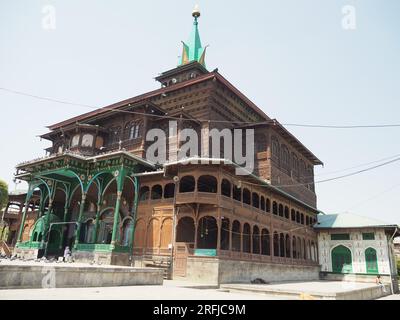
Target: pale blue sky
291,57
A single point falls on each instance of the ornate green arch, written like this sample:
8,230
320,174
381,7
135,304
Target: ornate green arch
342,260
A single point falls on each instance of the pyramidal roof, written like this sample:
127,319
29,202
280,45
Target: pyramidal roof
348,220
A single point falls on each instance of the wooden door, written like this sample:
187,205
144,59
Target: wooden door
180,259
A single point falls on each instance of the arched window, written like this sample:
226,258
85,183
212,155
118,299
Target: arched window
280,210
225,232
207,233
256,240
282,244
226,188
341,259
302,218
293,215
144,193
115,135
246,238
262,203
265,242
297,216
187,184
294,247
285,158
185,230
276,152
246,196
132,130
255,200
371,261
169,191
87,140
275,208
302,171
286,212
299,248
237,193
268,205
207,184
236,236
156,192
75,140
287,246
106,227
295,165
276,244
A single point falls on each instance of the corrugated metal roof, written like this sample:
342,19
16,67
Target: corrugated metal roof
348,220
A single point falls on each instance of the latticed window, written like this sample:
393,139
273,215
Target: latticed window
275,148
368,236
115,135
285,157
132,131
340,236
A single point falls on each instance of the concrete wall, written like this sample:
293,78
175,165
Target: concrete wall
12,276
232,271
357,246
217,271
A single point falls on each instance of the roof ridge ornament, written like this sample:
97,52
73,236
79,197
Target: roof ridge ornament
192,49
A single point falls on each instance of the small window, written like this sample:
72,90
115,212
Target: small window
87,140
368,236
75,140
340,236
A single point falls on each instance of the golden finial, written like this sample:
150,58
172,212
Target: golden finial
196,11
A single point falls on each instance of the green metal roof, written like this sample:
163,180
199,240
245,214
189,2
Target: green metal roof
348,220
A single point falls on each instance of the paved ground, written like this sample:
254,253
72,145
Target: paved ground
321,287
169,291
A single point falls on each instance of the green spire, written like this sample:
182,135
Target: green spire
192,49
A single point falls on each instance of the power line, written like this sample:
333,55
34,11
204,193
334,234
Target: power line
374,196
205,120
353,167
330,179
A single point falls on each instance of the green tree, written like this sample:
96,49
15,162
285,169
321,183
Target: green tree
3,194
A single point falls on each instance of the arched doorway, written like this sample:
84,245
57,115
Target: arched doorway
265,242
185,230
246,238
371,260
236,236
105,227
341,260
207,233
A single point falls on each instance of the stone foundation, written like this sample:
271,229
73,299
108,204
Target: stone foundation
103,258
53,275
218,271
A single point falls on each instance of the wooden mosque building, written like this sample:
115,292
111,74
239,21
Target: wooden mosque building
96,192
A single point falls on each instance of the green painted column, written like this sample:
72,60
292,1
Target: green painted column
120,186
21,228
81,210
134,211
96,226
